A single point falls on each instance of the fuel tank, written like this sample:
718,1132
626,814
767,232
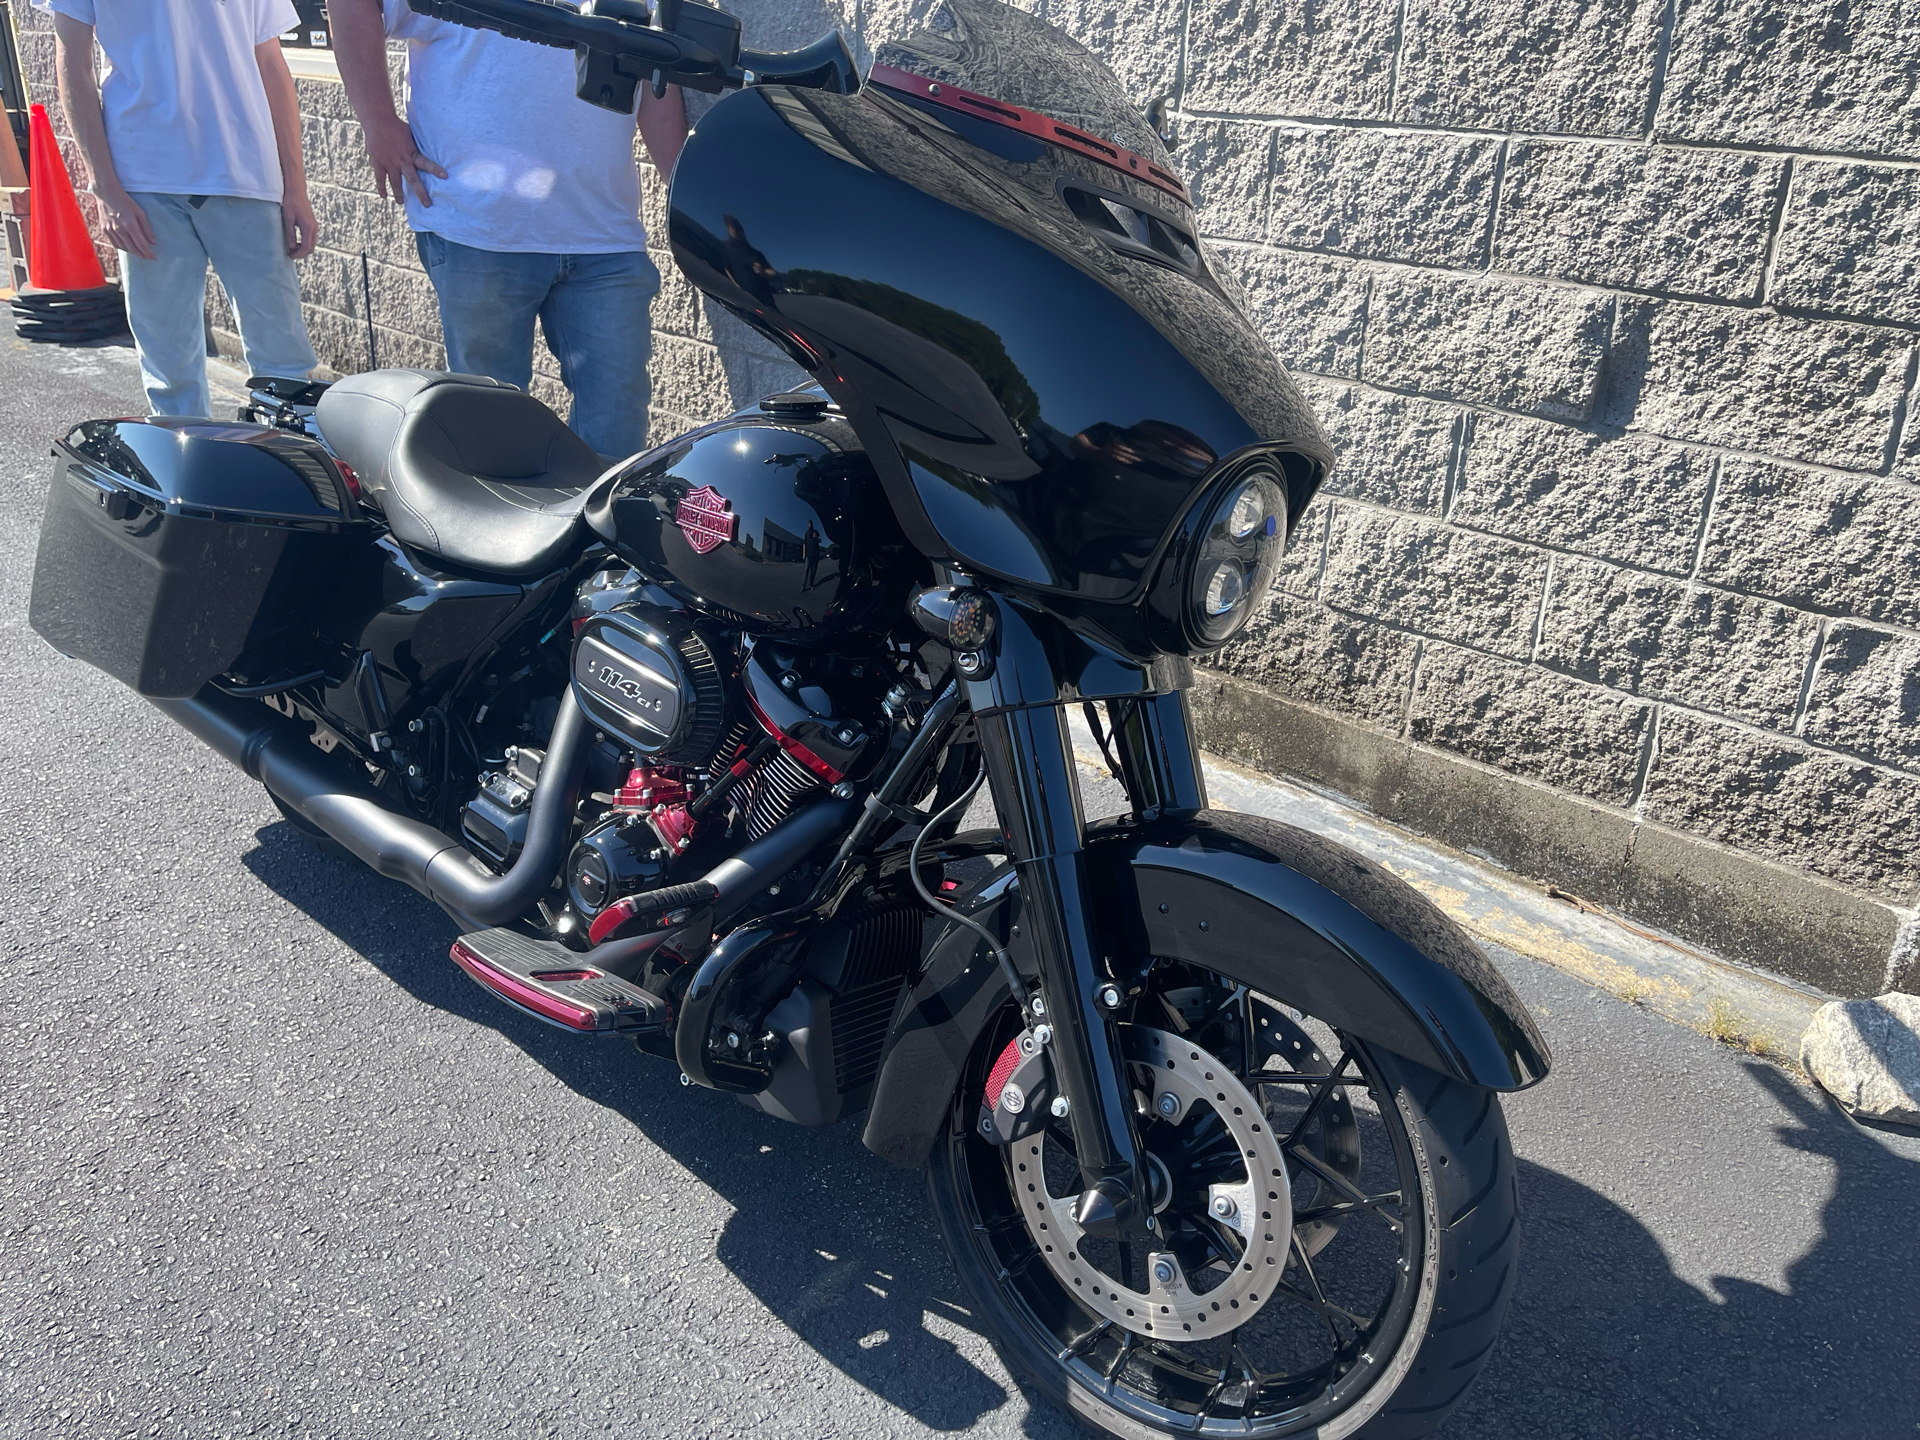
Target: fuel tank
770,521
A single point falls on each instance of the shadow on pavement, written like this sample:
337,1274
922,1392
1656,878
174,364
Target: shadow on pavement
834,1241
1603,1338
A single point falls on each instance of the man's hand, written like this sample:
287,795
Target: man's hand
297,222
396,159
126,223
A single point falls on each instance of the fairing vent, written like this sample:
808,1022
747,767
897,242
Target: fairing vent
1119,223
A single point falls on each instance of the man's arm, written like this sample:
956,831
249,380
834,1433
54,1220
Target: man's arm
126,223
663,125
296,207
360,49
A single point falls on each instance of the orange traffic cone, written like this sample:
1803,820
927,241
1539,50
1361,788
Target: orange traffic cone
60,253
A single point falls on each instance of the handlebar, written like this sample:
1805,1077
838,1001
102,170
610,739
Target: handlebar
620,43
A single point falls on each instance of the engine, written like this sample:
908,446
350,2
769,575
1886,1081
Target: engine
706,738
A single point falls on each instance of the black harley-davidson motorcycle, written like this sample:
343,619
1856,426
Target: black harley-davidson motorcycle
683,742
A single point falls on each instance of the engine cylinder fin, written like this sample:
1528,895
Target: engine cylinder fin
781,784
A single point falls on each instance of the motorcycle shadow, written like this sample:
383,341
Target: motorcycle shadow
838,1245
1603,1339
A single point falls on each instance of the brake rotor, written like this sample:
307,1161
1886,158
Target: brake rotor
1255,1208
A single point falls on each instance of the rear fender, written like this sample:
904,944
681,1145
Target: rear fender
1291,914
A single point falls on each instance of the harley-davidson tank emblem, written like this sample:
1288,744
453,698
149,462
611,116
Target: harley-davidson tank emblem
707,518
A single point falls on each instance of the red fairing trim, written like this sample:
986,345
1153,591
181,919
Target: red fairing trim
512,988
815,765
1033,123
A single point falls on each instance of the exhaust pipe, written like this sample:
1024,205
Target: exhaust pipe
326,792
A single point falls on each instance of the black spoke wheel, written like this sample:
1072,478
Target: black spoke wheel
1399,1189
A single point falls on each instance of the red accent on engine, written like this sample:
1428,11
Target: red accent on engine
648,789
1002,1072
662,797
814,764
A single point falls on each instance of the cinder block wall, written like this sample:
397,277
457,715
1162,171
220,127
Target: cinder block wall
1611,308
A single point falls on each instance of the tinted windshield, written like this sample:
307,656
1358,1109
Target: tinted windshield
1006,54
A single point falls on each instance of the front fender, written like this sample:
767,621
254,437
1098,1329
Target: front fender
1291,914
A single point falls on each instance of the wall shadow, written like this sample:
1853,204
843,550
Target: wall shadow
1603,1338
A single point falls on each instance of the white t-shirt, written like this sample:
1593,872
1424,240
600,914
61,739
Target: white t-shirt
185,108
530,168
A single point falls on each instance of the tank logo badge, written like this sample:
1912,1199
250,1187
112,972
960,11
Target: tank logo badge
707,518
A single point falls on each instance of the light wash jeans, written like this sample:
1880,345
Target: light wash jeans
592,308
166,296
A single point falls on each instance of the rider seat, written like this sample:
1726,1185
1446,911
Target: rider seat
466,469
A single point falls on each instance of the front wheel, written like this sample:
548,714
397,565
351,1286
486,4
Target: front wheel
1338,1230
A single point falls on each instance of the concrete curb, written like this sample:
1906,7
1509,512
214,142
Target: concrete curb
1745,1008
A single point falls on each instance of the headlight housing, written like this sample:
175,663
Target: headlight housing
1229,563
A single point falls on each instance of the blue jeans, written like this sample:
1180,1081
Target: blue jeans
166,296
594,310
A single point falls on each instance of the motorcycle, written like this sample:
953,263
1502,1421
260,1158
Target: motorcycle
683,742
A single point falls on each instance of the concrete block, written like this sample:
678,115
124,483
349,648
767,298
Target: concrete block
1434,580
1850,242
1312,311
1794,75
355,220
689,379
1275,57
1843,544
678,308
1801,389
336,154
1140,43
1386,196
1518,345
1688,222
1866,694
1649,635
1558,66
1635,501
1745,908
1771,796
1304,650
1227,167
1394,450
1298,572
1530,721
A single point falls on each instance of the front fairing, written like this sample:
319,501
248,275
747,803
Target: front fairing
1043,401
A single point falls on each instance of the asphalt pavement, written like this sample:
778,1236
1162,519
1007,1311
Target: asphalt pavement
270,1164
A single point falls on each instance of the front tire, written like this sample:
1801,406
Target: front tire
1396,1379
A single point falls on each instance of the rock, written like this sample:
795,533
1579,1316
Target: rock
1866,1054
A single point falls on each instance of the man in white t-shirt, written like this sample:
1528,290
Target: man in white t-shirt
192,139
524,201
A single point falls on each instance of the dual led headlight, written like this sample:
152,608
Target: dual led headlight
1222,560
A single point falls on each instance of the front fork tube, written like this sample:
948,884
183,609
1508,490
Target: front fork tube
1029,760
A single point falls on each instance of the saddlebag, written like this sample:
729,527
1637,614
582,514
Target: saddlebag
176,550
